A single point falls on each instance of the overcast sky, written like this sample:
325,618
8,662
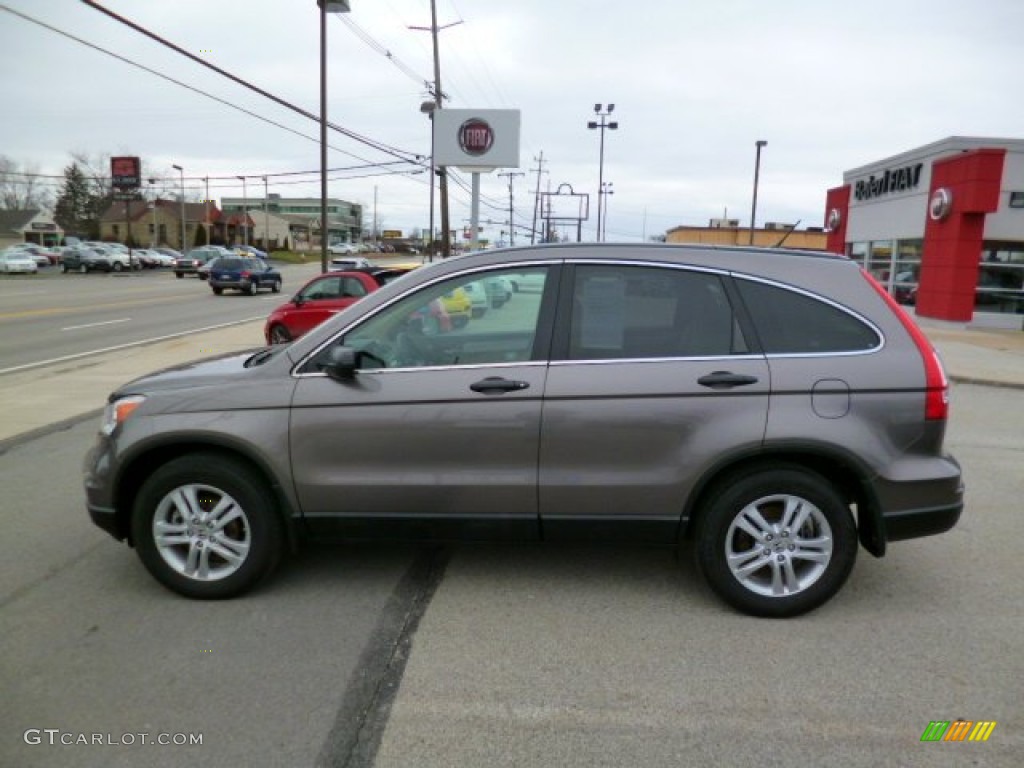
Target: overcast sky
830,86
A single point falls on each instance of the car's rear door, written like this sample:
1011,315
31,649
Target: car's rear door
651,383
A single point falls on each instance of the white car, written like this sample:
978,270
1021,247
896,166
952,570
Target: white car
350,262
18,261
342,248
477,293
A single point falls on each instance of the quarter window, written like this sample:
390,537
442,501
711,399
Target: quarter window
788,322
650,312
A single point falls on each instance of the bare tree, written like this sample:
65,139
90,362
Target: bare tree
21,189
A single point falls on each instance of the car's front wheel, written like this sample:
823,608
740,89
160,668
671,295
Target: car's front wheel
778,542
204,526
279,335
275,287
251,289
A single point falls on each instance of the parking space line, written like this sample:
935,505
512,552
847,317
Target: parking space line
94,325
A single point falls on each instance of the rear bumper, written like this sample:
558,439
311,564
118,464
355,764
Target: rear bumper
914,523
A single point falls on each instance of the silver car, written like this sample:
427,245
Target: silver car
775,407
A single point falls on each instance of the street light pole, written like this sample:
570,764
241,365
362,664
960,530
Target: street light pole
606,189
245,212
266,217
181,171
326,6
757,172
427,108
612,126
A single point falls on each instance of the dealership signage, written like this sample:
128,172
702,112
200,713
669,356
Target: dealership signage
889,180
477,139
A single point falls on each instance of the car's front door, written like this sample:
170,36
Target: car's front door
655,382
436,433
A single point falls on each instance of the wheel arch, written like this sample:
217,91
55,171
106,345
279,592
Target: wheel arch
137,469
838,467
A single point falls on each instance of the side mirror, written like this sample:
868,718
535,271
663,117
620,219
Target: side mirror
342,363
297,300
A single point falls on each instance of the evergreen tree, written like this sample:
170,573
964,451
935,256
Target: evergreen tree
75,209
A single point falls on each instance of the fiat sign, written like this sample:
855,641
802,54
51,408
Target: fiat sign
475,136
476,139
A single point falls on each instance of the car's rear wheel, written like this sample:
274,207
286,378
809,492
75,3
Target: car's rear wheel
279,335
179,275
218,291
64,269
82,268
251,290
204,526
778,542
275,287
118,266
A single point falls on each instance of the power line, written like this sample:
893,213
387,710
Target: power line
178,82
379,146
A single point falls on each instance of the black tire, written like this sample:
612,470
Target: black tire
275,287
251,290
812,561
179,275
64,269
202,483
118,266
82,268
218,291
279,335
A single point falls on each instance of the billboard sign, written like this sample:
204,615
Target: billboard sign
477,139
125,173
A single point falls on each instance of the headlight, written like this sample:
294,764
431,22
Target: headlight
118,411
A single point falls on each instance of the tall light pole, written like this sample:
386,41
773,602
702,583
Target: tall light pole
757,172
612,126
181,171
266,217
427,108
245,212
606,189
153,242
326,6
206,210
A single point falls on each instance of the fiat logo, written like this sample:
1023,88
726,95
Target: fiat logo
940,204
835,218
476,136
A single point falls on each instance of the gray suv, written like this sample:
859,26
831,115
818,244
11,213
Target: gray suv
774,407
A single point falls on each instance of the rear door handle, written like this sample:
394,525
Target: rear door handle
726,380
495,385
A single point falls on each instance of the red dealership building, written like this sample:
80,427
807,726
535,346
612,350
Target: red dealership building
942,226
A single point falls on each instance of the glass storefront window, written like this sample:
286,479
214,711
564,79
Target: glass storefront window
1001,278
880,261
906,271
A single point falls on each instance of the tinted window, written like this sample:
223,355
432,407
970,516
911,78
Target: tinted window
793,323
640,312
223,263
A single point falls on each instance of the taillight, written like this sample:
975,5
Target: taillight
246,275
936,403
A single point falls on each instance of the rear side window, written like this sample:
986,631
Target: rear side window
792,323
230,263
625,312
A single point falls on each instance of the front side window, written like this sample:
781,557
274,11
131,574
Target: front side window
788,322
325,288
629,312
436,325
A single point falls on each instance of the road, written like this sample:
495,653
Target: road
51,316
515,655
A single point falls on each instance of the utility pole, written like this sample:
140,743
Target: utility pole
536,197
511,206
446,244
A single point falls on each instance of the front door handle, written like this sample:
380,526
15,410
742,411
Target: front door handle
495,385
726,380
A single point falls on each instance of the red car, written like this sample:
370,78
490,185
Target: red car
324,296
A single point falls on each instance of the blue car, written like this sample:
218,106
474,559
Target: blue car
245,274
